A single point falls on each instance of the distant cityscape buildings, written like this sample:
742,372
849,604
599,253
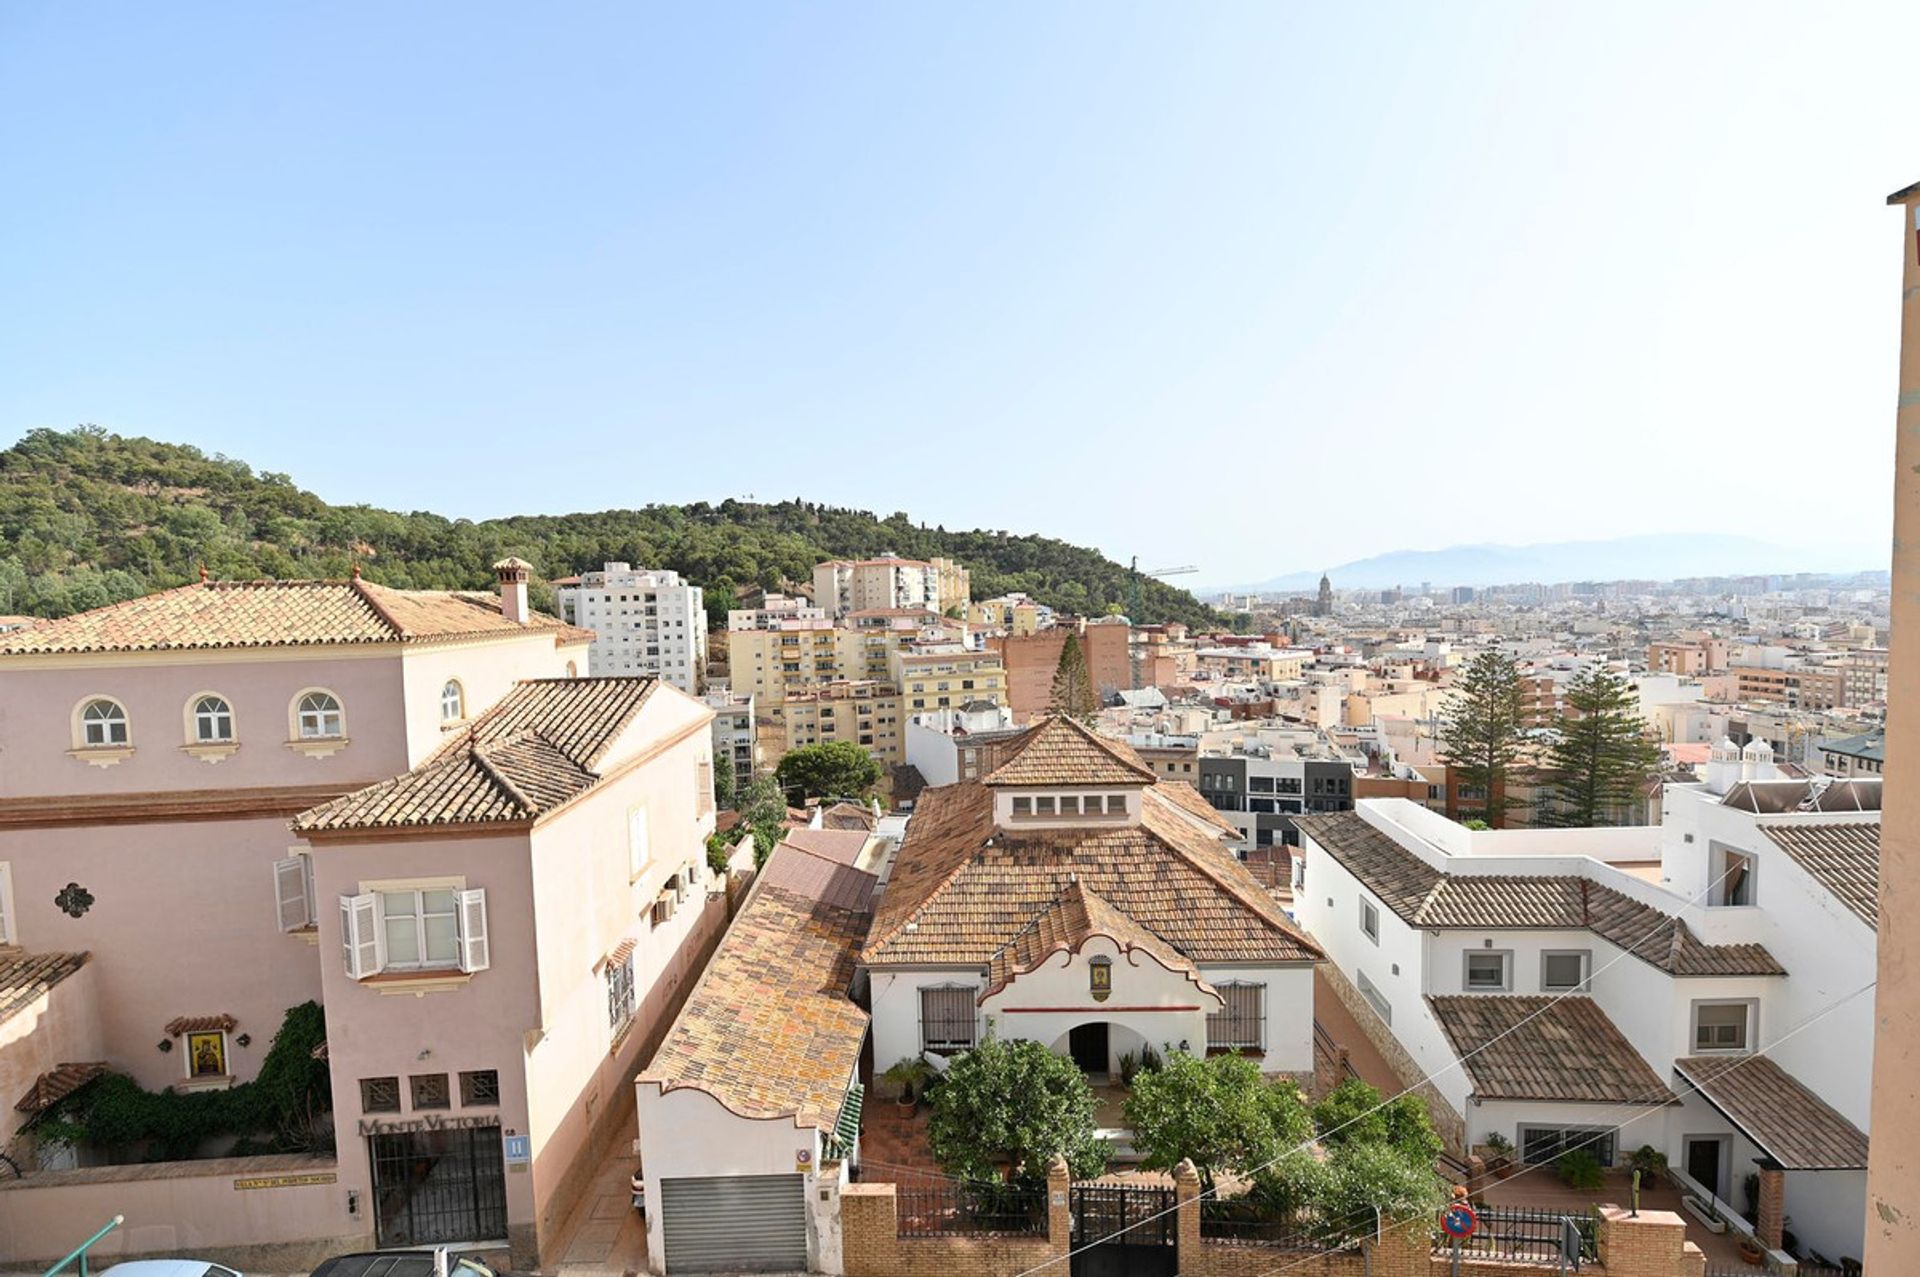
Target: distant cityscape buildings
1266,809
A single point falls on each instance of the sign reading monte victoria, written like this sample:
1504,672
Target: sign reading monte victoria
431,1122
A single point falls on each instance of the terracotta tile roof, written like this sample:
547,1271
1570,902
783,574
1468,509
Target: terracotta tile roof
1060,751
1068,923
1787,1121
1422,896
231,614
25,976
844,815
538,748
961,889
1188,799
1545,1048
769,1031
200,1024
1843,858
56,1084
842,846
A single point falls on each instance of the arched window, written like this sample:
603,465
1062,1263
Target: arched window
212,721
453,702
103,724
573,670
319,716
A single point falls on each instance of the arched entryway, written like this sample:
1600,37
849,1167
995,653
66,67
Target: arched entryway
1097,1046
1090,1047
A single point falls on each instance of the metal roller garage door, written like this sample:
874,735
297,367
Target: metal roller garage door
741,1223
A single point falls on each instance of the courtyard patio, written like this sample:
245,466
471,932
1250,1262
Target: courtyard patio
1539,1188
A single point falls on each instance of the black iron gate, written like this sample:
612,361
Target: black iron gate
1124,1232
448,1185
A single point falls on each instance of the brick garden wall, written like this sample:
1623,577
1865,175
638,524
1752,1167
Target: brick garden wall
1651,1245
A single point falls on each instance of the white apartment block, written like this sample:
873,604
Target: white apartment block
1694,986
774,609
733,734
644,622
841,586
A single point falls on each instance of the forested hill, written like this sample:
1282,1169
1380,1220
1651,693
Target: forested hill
88,517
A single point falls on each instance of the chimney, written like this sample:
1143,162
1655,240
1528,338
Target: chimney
1723,767
513,574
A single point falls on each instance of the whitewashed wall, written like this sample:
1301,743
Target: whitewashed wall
687,1133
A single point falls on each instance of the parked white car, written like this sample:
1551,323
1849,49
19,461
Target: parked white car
169,1268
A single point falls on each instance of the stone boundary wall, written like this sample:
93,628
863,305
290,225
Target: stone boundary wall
272,1214
1452,1128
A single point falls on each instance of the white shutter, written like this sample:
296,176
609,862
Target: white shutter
290,892
360,934
475,954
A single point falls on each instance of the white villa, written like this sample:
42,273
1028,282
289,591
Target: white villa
1070,899
1698,986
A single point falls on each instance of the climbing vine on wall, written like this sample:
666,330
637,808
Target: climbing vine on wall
275,1112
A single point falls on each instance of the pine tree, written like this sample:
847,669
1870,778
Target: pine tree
1483,733
1072,685
1601,757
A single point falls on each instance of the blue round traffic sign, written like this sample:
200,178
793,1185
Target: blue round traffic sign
1458,1220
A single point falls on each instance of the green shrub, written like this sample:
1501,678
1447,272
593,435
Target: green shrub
275,1112
1353,1113
1008,1108
1580,1169
1218,1112
1362,1177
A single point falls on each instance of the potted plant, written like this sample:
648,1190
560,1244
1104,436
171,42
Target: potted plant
1581,1170
1705,1211
1750,1250
910,1073
1499,1154
1650,1162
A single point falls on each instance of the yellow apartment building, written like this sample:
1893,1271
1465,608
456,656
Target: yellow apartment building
771,664
946,678
863,711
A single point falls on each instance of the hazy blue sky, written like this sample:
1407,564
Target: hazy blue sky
1253,287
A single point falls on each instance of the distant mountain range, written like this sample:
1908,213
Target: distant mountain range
1662,557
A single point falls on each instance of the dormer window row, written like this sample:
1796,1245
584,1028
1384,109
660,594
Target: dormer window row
1051,806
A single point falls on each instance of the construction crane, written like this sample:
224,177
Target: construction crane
1135,611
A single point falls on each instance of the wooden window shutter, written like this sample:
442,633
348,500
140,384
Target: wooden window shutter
290,893
360,935
475,952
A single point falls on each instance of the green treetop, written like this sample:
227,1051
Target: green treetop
830,769
1073,693
1601,757
1482,734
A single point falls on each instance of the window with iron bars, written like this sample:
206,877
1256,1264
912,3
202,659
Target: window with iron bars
946,1019
620,994
1241,1023
480,1088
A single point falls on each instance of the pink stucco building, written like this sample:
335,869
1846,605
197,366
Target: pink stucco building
229,799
